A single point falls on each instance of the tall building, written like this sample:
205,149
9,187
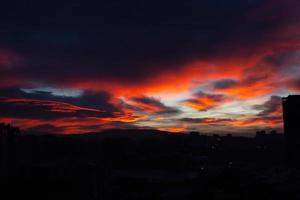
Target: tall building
291,118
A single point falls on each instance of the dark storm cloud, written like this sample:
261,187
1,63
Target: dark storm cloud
224,83
42,109
130,41
269,107
284,59
97,100
44,105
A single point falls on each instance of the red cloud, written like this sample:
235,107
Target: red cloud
269,122
8,60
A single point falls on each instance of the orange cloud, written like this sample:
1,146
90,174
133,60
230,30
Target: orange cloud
269,122
148,105
174,129
202,101
127,117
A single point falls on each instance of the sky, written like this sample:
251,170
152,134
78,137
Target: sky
212,66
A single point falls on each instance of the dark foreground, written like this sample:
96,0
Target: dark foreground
140,165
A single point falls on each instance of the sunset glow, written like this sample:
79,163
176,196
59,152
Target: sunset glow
183,70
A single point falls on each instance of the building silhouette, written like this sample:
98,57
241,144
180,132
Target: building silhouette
291,118
7,147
